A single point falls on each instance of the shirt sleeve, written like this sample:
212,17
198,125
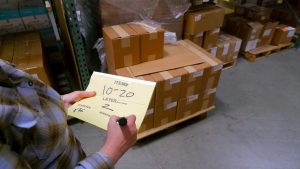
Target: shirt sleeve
10,159
95,161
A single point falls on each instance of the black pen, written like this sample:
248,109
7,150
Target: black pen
122,121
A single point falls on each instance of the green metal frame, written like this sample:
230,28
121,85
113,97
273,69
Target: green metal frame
77,41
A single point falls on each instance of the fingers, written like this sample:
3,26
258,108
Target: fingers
85,94
131,120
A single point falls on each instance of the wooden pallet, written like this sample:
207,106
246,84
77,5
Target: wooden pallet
264,51
168,125
229,65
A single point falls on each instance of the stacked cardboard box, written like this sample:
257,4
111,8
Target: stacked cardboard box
267,33
187,77
202,26
253,12
25,51
283,34
227,48
131,44
248,31
261,30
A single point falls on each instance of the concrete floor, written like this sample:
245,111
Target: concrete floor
256,124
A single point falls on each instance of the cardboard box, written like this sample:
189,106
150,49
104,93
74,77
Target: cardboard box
187,106
229,52
122,46
148,122
249,32
213,51
268,32
259,13
165,114
242,10
249,45
212,77
206,103
207,18
211,38
243,29
28,55
169,65
192,79
35,18
223,50
167,83
147,78
283,34
197,39
151,42
7,47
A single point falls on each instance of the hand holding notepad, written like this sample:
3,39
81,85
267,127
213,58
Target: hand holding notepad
115,95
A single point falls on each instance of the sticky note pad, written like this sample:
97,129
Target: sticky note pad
115,95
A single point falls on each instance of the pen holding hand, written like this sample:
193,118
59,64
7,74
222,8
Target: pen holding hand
121,135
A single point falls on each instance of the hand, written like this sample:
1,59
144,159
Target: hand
119,138
71,98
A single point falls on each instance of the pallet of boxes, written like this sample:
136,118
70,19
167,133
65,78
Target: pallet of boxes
261,36
186,75
202,26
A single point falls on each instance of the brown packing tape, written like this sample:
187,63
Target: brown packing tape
166,75
125,41
153,36
190,69
128,60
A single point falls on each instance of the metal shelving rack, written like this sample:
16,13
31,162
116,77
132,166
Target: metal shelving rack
77,41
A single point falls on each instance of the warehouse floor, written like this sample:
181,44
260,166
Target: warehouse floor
256,124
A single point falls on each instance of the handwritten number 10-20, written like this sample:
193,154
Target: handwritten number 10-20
124,93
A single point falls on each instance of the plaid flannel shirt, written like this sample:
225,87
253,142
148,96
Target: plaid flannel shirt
33,127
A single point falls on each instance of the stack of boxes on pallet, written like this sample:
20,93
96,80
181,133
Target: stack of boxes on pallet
253,25
186,75
202,26
24,50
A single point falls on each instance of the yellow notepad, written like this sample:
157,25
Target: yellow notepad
115,95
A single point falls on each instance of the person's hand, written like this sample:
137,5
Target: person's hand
119,138
71,98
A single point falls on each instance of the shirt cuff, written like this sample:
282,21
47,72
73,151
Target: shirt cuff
106,158
97,160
